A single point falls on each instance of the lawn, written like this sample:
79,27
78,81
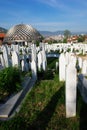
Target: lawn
44,108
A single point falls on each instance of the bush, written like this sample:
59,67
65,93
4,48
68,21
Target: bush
10,80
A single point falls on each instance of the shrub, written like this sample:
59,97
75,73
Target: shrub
10,80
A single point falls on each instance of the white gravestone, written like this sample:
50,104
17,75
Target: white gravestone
33,62
73,59
2,60
71,49
39,56
57,65
22,65
5,56
62,67
84,67
9,50
15,48
34,69
71,87
15,59
23,62
67,55
44,64
80,62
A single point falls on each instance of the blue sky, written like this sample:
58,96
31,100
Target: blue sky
48,15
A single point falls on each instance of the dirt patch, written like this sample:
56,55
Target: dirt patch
83,57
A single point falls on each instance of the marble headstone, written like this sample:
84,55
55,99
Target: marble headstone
84,67
39,56
70,92
44,57
5,56
15,59
62,67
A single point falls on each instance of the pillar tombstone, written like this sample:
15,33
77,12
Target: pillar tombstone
62,67
33,62
70,91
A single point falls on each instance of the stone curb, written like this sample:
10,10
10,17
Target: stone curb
7,109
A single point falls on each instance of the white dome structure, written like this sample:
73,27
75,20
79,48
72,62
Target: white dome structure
22,33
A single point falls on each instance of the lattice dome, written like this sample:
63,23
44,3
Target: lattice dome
22,32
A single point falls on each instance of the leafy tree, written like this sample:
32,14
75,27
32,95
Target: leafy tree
81,38
67,33
54,41
37,43
65,40
50,42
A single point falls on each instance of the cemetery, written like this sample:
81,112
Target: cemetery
50,86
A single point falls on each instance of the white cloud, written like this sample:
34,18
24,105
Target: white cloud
50,23
53,3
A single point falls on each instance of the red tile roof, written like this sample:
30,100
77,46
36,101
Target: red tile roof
2,35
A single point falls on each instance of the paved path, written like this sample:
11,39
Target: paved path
8,109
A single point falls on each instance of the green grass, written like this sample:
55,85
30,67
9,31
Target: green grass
44,108
52,62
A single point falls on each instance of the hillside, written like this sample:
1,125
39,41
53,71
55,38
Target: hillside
49,33
3,30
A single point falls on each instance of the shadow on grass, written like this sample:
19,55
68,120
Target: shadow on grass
82,110
20,122
83,117
45,75
44,117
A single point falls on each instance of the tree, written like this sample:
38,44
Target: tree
81,38
64,40
67,33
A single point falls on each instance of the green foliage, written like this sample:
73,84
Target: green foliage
37,43
10,80
67,33
45,75
42,38
81,38
68,50
51,62
50,42
55,41
21,52
65,40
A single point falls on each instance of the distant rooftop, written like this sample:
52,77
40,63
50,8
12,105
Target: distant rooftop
2,35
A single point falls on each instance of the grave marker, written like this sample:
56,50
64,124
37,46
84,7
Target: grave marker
71,86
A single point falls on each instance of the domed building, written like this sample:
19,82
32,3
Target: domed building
22,33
